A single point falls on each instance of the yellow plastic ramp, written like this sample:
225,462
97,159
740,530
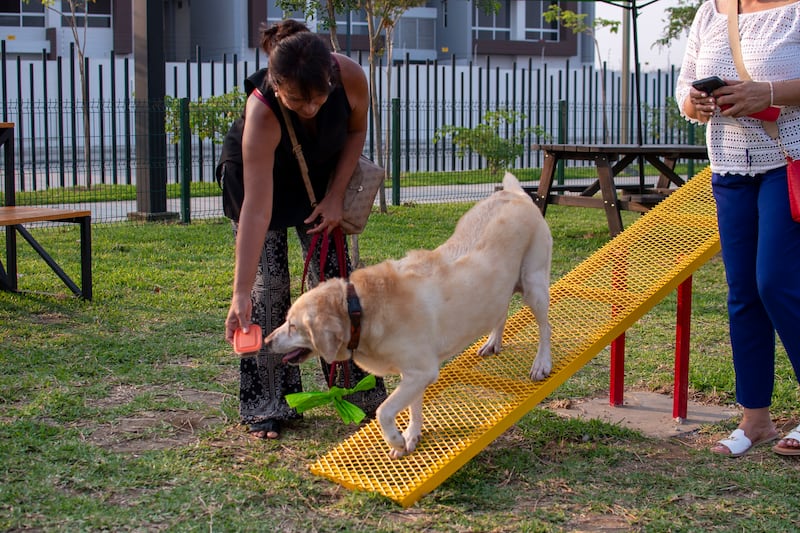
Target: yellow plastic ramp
477,398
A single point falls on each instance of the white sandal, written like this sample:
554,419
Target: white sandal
783,450
738,443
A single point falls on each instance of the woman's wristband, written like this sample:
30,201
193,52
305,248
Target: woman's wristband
771,94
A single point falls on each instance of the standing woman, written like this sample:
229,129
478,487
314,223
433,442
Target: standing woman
327,99
760,241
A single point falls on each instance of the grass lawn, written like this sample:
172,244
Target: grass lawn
121,413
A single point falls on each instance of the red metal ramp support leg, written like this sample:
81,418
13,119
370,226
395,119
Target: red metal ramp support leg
682,332
617,377
683,321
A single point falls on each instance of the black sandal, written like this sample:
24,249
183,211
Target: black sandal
262,430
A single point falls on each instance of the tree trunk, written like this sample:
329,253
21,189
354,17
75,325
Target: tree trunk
87,135
332,27
374,41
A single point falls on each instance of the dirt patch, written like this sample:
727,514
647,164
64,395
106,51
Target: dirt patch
594,522
156,429
153,430
119,395
48,319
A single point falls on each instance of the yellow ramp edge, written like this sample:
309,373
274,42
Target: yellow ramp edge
477,398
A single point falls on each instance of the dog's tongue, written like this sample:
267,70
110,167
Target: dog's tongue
294,355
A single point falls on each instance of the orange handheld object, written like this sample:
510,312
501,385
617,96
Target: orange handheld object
247,342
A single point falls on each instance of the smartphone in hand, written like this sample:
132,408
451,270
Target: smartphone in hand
709,85
712,83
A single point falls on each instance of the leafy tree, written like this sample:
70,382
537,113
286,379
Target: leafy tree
325,12
209,118
679,20
382,17
577,23
485,138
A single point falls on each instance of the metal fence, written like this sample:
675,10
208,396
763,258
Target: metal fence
75,147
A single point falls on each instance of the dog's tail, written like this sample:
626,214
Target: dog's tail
511,183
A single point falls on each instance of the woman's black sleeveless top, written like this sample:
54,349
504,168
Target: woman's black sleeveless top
290,203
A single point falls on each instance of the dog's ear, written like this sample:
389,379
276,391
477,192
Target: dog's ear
323,314
327,335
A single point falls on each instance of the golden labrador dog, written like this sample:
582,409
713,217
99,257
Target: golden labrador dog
419,311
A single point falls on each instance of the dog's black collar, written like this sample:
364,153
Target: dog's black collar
354,310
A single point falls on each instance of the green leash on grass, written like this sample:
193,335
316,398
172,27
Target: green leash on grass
350,413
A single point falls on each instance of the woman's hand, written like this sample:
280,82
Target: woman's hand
239,315
742,98
327,215
702,105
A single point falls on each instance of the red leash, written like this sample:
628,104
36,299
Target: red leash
338,240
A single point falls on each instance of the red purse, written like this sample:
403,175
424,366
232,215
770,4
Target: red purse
793,179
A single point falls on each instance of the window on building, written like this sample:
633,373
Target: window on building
415,33
283,15
96,14
515,16
358,23
536,28
493,26
21,13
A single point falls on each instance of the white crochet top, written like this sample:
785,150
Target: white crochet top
771,52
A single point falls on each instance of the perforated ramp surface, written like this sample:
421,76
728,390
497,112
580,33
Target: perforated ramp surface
477,398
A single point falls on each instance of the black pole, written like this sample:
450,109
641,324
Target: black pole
637,85
637,71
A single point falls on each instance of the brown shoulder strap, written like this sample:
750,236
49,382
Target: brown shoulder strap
733,38
298,153
736,50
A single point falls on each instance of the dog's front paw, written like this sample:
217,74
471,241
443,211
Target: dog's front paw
395,453
397,442
490,347
541,368
411,441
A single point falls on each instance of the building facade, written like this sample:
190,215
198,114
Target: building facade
214,30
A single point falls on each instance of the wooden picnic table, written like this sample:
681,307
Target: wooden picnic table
610,160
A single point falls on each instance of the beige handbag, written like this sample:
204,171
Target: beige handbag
361,191
360,195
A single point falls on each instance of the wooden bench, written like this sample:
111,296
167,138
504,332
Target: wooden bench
14,217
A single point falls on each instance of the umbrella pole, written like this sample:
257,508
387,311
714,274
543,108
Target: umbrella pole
637,86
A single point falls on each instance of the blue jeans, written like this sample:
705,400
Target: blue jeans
761,253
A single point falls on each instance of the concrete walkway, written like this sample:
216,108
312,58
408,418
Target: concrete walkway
211,206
